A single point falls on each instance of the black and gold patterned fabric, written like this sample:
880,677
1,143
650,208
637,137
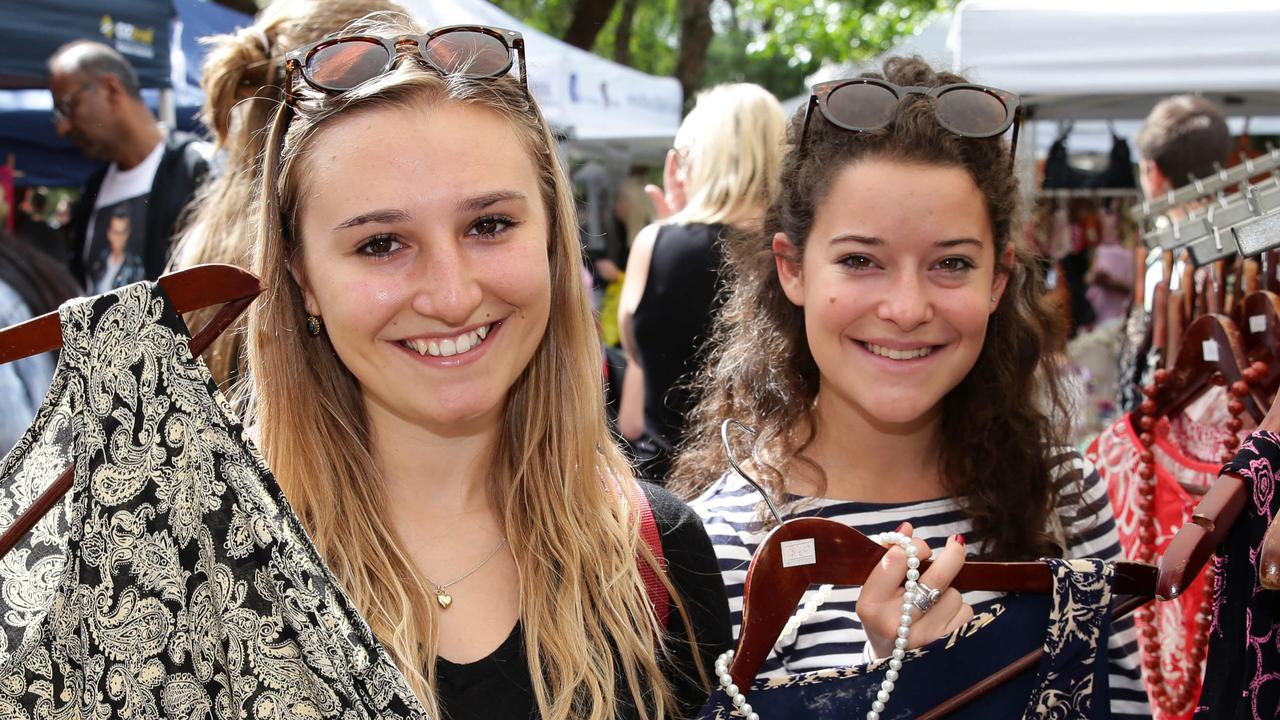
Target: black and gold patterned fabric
173,581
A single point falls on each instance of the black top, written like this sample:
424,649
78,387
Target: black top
499,685
672,322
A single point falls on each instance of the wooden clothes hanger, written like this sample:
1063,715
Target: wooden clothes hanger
1210,346
1260,326
198,287
807,551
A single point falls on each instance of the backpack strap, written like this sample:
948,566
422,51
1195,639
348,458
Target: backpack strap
658,595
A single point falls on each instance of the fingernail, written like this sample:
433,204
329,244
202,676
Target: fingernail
902,527
958,538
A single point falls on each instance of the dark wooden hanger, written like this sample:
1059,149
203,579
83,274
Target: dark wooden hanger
1260,325
1270,272
1269,560
199,287
1191,373
845,556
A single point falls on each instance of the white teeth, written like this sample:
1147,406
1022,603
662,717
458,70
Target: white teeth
898,354
452,346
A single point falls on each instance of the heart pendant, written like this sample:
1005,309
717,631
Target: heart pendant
444,598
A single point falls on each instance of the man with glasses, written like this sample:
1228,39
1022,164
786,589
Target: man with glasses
151,172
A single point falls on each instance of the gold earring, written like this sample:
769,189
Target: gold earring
313,325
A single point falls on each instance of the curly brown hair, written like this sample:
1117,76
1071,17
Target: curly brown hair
997,428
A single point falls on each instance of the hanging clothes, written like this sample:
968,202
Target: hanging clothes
173,580
1242,680
1117,455
1060,174
1069,684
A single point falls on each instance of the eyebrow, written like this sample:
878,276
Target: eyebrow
877,242
386,216
481,202
391,215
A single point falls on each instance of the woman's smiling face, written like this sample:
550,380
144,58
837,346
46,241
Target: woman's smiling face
898,282
424,249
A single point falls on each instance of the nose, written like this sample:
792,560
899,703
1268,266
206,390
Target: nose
448,288
906,301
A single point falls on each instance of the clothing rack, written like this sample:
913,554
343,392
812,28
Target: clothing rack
1245,223
1099,193
1215,184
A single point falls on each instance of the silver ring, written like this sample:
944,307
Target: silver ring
925,597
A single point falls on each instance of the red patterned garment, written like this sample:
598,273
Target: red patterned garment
1116,453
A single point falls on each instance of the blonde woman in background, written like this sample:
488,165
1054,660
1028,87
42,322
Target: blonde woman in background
243,83
720,177
425,382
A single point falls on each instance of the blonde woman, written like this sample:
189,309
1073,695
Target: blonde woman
243,82
425,382
721,176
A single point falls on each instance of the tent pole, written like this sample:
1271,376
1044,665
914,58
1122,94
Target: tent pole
168,109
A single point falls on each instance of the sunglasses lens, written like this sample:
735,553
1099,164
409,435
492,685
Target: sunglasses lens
861,106
469,53
346,63
972,112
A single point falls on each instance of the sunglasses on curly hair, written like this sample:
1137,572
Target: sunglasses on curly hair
337,64
865,104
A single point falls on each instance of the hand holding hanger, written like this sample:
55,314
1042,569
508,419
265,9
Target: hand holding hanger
880,602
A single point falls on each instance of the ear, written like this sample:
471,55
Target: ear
300,277
786,258
1154,182
1001,280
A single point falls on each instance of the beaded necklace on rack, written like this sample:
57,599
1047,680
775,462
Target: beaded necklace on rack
1182,700
912,587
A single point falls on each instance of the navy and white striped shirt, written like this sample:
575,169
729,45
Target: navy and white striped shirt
833,637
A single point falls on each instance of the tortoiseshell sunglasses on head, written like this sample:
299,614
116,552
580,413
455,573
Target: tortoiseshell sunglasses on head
864,104
337,64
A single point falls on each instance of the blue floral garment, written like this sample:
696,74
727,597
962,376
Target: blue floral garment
1069,684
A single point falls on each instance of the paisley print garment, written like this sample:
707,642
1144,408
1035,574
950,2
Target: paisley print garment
173,581
1071,626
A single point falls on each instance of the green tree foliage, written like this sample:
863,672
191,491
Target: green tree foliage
775,43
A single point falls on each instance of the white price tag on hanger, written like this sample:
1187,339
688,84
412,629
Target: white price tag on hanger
1210,349
1257,323
799,552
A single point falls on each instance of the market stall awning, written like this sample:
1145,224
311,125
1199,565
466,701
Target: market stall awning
1116,58
32,31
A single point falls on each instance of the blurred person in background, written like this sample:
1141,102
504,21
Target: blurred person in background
151,172
719,178
31,284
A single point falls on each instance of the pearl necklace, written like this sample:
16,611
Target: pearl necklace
739,698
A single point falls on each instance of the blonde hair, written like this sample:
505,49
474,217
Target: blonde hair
243,83
730,146
556,473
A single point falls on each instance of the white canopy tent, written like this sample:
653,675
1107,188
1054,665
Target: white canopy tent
1105,63
604,108
1113,59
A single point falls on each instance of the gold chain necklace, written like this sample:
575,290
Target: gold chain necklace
444,598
